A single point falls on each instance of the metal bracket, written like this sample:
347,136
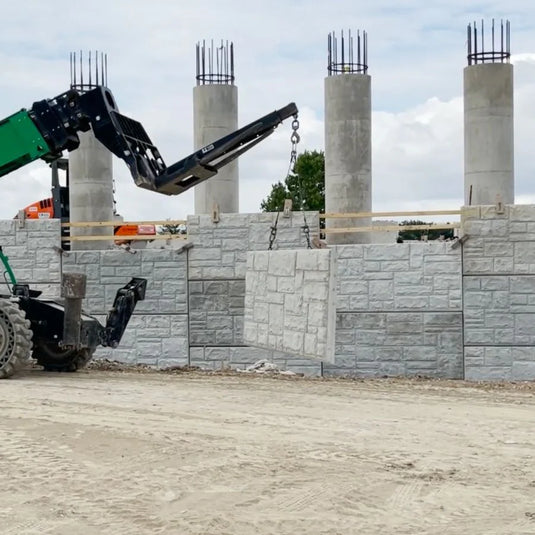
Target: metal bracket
500,209
21,216
215,213
459,241
287,209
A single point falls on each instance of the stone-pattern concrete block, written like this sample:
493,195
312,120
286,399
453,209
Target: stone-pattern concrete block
34,253
109,270
159,340
404,276
290,302
399,344
216,312
509,363
499,293
220,249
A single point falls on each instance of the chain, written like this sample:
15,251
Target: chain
273,233
294,138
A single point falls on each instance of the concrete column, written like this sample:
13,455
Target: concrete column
488,134
348,184
91,190
215,114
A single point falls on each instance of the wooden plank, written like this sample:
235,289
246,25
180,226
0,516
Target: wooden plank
119,223
355,215
126,238
387,228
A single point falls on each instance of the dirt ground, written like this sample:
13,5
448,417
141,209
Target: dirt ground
110,452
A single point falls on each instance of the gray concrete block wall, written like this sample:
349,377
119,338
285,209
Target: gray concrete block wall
290,302
157,334
159,340
107,271
402,309
216,312
499,292
399,310
217,268
220,249
375,344
33,249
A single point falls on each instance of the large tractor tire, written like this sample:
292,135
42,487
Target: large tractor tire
15,338
56,359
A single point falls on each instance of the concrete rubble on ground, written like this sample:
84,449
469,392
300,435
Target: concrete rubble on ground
265,366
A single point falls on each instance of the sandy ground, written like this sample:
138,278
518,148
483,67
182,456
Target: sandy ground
102,452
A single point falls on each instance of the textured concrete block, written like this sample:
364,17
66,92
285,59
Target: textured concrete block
401,343
107,271
156,340
298,316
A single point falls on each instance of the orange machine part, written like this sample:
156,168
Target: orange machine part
44,209
40,210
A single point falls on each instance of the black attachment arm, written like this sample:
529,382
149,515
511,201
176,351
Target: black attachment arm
122,310
60,119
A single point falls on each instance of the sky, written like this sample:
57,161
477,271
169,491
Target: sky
416,57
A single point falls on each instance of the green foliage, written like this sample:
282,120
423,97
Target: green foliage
432,234
305,186
172,229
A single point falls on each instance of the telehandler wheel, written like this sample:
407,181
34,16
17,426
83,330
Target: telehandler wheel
56,359
15,338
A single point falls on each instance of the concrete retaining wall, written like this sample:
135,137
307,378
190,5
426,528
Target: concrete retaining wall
33,249
401,309
499,292
217,265
158,332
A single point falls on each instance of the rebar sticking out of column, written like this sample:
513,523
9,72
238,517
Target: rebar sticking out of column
215,65
342,58
496,50
95,70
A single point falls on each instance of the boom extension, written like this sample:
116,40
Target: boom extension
52,126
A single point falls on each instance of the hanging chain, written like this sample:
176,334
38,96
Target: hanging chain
294,138
273,233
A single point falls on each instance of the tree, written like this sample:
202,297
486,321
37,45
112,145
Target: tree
432,234
172,229
305,186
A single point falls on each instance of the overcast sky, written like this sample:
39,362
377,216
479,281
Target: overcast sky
416,56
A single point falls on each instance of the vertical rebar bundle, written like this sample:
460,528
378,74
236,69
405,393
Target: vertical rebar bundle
497,49
95,70
215,64
342,58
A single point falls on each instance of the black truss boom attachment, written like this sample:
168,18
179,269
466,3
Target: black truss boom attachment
61,119
205,163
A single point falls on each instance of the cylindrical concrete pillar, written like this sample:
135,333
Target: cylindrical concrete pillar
488,134
91,191
348,182
215,114
91,164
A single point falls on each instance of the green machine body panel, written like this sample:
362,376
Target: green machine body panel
20,142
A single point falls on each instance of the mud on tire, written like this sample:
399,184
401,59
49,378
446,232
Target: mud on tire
15,338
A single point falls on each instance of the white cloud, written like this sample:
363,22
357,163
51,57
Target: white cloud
416,56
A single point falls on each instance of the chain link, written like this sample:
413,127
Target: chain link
295,138
273,233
